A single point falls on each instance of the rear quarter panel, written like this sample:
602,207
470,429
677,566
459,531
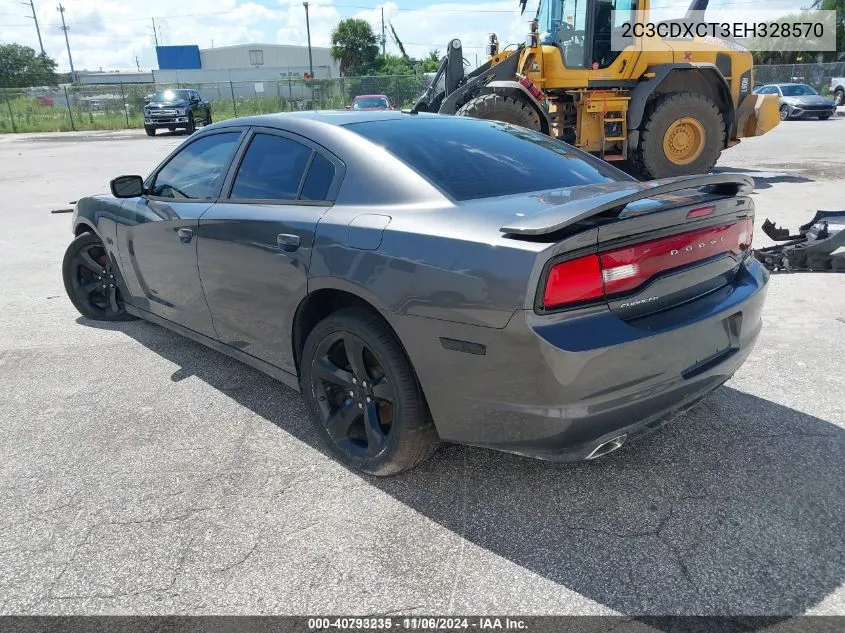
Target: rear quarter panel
425,266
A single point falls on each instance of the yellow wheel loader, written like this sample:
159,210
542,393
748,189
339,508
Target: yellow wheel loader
663,109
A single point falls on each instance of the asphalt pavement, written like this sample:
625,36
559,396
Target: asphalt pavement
143,473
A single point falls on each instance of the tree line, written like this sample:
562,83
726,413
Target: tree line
356,47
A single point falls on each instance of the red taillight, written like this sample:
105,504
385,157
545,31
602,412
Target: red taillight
624,269
747,234
573,281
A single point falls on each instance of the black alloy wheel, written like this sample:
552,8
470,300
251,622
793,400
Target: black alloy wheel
192,124
356,399
90,280
363,395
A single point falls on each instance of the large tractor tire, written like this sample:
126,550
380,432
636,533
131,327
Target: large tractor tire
683,133
504,108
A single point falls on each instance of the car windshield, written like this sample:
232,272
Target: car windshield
797,90
369,102
473,158
170,95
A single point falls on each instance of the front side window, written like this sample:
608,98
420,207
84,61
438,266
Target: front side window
197,171
272,169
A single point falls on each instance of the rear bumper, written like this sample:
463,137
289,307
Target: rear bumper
555,388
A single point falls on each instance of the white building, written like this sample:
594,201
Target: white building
241,63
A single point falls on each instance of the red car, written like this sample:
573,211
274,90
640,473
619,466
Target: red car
371,102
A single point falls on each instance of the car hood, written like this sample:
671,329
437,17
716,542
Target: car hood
808,100
167,104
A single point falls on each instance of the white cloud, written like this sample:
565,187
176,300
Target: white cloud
111,35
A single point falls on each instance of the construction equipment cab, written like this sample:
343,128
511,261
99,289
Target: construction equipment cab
663,108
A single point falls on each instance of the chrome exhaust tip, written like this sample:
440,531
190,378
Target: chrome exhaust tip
607,447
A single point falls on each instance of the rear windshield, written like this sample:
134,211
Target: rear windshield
471,158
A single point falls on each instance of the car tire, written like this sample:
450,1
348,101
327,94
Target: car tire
91,280
151,131
686,112
839,97
784,112
370,412
208,120
192,125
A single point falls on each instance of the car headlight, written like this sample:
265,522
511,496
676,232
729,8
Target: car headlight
180,111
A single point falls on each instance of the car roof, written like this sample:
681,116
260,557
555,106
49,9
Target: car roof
370,96
293,120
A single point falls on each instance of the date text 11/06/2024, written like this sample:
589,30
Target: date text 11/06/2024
417,624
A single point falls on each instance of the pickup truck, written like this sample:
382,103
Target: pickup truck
175,108
837,90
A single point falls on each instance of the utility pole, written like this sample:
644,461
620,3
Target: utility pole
65,27
155,33
383,38
308,29
37,29
137,63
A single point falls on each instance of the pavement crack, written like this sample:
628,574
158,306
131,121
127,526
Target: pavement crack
241,560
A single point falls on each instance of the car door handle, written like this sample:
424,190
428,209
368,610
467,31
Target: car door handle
287,242
185,235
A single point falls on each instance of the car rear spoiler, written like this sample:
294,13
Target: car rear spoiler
561,216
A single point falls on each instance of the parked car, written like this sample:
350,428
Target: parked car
371,102
176,109
837,89
799,101
423,278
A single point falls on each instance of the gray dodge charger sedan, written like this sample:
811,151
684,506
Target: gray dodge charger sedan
423,278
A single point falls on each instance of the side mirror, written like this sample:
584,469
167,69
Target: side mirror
348,107
127,187
393,105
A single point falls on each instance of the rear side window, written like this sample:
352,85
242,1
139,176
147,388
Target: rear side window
272,169
470,158
319,179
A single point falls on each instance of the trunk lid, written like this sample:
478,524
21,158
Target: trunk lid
659,244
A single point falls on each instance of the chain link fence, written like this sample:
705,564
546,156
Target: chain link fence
120,106
816,75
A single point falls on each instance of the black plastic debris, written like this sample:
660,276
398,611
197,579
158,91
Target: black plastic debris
819,245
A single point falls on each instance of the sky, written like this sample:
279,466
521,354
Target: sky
111,34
